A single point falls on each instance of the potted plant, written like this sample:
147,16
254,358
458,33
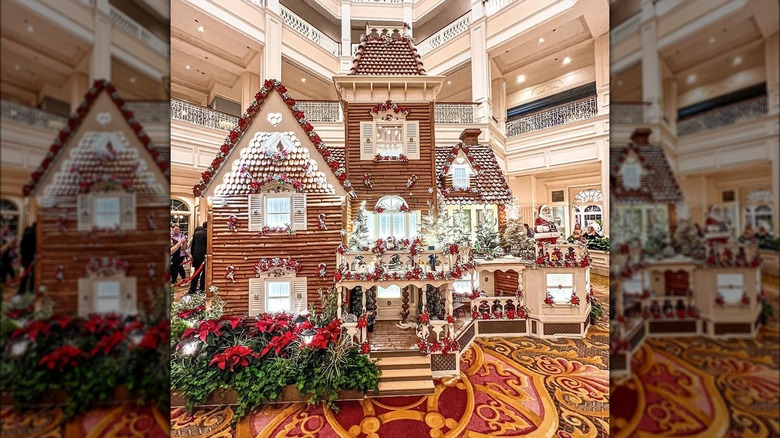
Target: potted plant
596,310
766,312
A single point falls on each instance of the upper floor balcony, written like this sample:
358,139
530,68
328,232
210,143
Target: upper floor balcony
559,115
752,109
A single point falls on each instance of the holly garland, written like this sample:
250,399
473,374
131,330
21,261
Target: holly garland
265,265
388,106
282,229
243,123
344,274
105,265
385,158
75,121
454,153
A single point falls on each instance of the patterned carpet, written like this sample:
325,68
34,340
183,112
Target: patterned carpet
508,387
105,422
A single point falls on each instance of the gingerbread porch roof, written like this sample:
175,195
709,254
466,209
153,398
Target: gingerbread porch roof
487,186
658,184
293,162
388,54
93,149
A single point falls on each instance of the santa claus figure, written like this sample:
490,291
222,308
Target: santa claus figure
716,227
544,226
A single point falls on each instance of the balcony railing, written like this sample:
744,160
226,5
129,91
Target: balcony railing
198,115
560,115
628,113
455,112
448,33
625,29
401,265
130,26
494,6
321,110
726,116
303,27
146,111
25,115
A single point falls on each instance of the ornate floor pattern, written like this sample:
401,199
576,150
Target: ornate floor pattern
508,387
100,422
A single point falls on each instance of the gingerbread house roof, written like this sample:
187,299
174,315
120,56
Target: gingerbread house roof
101,154
488,185
658,184
386,54
256,166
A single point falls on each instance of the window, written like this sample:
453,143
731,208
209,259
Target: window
388,292
278,297
759,216
107,212
277,211
460,176
392,222
560,286
181,215
389,136
587,215
731,287
390,141
9,211
463,285
631,175
107,297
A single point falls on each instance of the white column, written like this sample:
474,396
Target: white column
250,85
345,60
604,146
775,183
601,51
772,53
78,84
100,61
480,63
651,63
272,52
670,103
499,103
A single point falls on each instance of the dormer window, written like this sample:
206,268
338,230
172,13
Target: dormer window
631,175
460,176
106,211
389,137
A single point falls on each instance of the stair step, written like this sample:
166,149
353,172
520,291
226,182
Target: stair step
400,375
408,387
404,362
396,353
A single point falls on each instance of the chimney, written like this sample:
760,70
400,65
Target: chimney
641,136
470,136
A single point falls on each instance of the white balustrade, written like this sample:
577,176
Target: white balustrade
356,263
130,26
440,328
625,29
491,305
321,110
150,111
556,116
304,28
725,116
198,115
455,112
627,113
494,6
25,115
449,32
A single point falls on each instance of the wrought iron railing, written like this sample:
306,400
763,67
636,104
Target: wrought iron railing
449,32
150,111
455,112
725,116
198,115
25,115
494,6
628,113
304,28
130,26
625,29
560,115
321,110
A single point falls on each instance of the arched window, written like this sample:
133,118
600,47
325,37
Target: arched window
181,215
588,196
587,208
11,214
392,218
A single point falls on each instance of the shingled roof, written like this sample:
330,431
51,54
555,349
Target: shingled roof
489,185
386,54
658,184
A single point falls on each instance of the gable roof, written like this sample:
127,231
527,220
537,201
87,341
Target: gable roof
229,145
387,54
658,184
85,164
488,186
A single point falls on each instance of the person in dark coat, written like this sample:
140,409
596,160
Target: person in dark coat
27,251
198,252
8,251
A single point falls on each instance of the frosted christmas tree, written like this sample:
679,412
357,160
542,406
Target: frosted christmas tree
487,236
358,239
515,236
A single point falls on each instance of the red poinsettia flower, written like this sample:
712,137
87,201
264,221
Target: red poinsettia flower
278,343
745,299
269,324
365,347
62,357
107,343
232,320
450,319
232,357
33,329
188,313
362,322
206,328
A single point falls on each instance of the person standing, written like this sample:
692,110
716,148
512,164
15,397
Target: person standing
198,252
27,249
178,256
8,250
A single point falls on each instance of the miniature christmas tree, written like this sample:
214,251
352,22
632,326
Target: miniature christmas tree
487,235
515,237
430,226
687,240
358,239
461,231
443,228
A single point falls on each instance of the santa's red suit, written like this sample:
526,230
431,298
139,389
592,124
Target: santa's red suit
716,229
544,226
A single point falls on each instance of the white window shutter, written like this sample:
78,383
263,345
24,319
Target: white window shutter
255,212
256,297
299,211
367,141
128,214
129,301
299,295
85,305
413,140
84,211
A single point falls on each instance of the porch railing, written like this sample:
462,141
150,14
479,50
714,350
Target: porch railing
725,116
130,26
395,265
560,115
446,34
448,113
494,6
29,116
625,29
304,28
628,113
198,115
495,305
321,110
